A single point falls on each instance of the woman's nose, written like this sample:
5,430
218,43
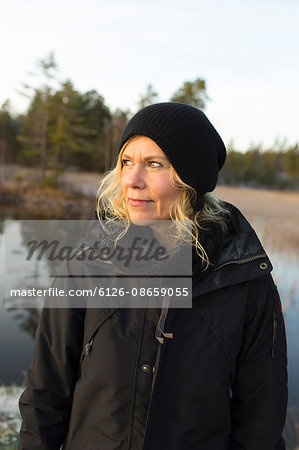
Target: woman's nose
136,178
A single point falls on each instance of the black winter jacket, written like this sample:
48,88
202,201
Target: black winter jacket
100,380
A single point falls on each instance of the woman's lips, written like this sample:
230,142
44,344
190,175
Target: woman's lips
133,202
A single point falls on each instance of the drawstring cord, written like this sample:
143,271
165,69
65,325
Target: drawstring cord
161,322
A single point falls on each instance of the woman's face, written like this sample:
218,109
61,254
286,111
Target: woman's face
145,180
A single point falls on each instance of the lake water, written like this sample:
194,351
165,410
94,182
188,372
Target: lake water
17,326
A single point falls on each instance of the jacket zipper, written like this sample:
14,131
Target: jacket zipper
157,361
153,384
134,378
240,261
274,333
82,250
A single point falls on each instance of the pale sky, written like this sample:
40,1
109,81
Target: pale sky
247,51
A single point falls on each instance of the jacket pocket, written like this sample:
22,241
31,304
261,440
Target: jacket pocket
227,329
86,350
94,319
279,343
274,335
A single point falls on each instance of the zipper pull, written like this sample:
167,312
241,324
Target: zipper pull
87,348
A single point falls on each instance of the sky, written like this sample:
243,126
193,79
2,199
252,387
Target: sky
246,51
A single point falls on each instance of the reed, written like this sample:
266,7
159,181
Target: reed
273,214
275,217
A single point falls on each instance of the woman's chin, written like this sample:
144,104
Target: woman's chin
139,217
142,221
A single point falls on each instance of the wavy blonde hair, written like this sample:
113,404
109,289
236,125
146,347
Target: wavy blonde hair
187,224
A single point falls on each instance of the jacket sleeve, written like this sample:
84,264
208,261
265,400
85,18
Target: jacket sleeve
46,403
259,390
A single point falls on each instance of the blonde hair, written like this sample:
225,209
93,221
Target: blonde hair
187,223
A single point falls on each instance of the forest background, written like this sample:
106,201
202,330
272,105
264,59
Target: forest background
64,129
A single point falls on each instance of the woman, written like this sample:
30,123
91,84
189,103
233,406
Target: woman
210,377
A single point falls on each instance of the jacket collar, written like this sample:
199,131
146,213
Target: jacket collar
242,257
177,260
242,242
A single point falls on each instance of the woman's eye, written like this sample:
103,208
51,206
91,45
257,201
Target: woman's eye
152,163
125,161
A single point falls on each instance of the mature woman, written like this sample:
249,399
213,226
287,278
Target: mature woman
210,377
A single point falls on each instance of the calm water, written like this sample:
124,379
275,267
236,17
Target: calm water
17,326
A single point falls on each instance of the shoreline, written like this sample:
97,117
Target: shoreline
44,203
69,195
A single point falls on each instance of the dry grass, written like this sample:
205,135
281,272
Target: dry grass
29,200
273,214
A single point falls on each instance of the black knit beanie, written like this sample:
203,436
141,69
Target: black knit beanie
188,139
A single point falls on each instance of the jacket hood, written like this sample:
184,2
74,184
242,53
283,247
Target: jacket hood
242,241
242,257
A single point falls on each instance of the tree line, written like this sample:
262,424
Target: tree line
65,129
276,167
